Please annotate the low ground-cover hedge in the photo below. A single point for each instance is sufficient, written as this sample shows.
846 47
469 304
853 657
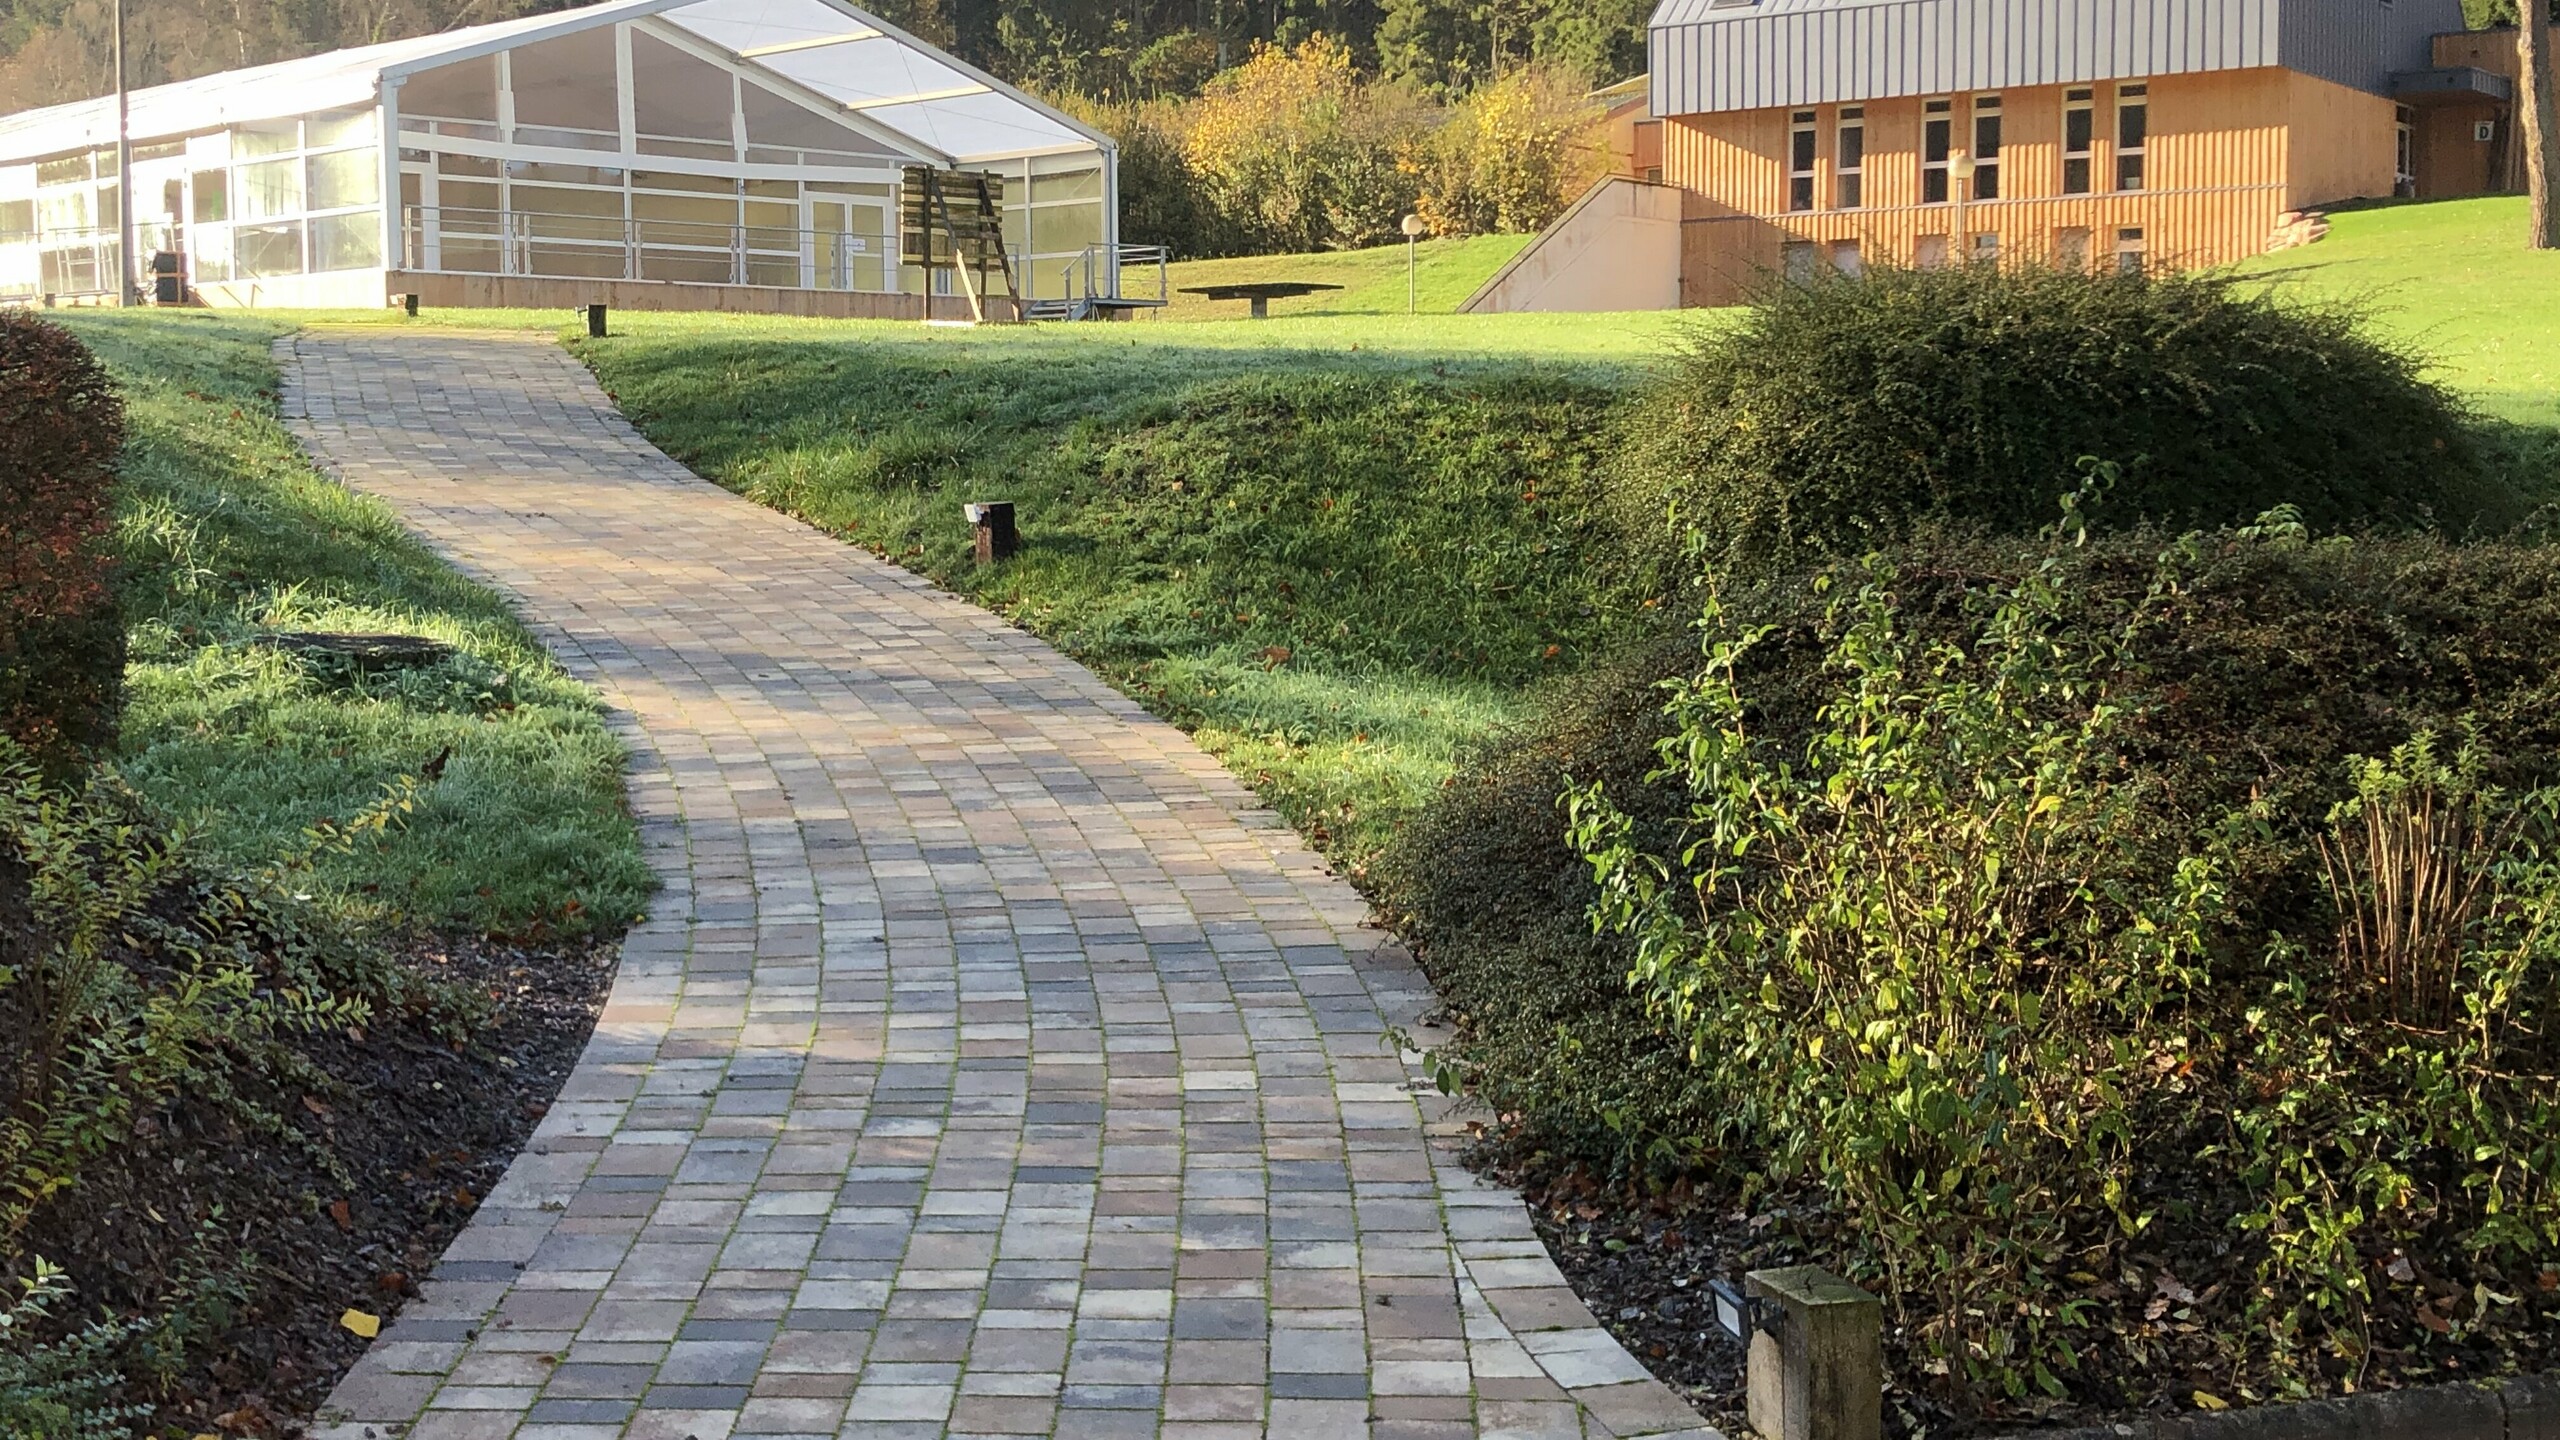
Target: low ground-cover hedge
1837 412
61 643
2336 1195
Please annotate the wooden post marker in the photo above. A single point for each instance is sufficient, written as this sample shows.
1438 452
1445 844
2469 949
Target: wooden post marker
993 522
1820 1376
595 322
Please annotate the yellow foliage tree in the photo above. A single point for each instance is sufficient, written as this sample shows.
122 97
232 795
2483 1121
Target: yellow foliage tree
1301 154
1513 155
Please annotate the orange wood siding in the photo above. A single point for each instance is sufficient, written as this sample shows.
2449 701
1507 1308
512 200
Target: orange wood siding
2345 143
2229 152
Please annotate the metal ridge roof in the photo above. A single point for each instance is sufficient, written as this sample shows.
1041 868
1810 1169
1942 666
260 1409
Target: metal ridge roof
888 78
1718 55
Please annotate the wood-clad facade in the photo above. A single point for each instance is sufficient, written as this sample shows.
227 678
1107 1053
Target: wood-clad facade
2224 156
2100 132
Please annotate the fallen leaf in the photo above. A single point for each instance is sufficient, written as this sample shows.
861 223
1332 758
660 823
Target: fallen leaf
361 1323
346 1221
2207 1400
315 1107
2434 1321
2400 1269
2170 1286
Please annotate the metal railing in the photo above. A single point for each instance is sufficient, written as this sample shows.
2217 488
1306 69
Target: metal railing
1102 273
459 240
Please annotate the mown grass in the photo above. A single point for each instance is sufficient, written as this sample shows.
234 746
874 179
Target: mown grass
1421 425
1337 570
1445 273
226 535
2454 279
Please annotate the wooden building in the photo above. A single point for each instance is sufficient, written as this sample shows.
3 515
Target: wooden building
1809 133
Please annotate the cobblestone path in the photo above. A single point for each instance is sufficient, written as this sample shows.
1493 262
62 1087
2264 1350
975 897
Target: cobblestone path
990 1064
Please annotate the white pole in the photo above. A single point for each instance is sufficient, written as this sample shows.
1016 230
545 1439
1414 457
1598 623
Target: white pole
124 176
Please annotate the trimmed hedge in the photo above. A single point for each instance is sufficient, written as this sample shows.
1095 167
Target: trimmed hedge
61 639
1840 411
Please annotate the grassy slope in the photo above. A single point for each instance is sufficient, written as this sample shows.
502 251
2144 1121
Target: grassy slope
227 533
1336 567
2454 278
1446 272
878 430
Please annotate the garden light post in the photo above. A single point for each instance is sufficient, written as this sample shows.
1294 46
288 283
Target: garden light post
124 176
1960 178
1412 228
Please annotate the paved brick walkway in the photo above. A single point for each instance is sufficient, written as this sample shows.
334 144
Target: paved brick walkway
991 1063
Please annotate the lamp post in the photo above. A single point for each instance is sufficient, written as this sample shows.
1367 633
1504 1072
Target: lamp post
1412 228
1960 180
124 176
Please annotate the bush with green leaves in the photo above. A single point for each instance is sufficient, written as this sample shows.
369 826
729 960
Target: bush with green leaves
1836 412
62 425
1966 909
135 977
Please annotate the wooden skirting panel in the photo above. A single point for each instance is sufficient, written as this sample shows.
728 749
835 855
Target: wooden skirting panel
526 292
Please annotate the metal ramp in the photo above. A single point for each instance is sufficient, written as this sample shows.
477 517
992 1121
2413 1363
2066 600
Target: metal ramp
1096 284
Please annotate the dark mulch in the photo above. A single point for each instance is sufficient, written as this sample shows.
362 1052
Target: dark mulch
421 1126
1642 1261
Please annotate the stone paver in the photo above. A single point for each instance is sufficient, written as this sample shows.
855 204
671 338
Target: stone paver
990 1065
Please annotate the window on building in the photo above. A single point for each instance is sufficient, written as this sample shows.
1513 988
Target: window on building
1986 147
2079 140
2404 173
1849 161
1846 259
1937 143
1800 261
1986 248
1930 253
2133 136
2071 247
2130 250
1800 152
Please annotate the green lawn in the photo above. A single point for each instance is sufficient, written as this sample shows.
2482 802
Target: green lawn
226 534
1343 483
2455 279
1336 566
1446 272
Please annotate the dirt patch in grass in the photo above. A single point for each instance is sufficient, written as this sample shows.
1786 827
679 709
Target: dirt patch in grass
390 1142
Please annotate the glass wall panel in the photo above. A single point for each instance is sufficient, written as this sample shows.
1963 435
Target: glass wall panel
268 188
464 90
576 261
259 251
211 251
1074 185
567 83
676 96
342 127
347 242
691 266
1065 228
347 177
788 129
266 137
212 190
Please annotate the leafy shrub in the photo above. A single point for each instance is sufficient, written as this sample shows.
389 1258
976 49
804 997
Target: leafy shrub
135 980
1299 154
61 644
1989 878
1838 411
1512 155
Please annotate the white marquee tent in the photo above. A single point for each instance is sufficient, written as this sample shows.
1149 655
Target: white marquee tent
637 151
